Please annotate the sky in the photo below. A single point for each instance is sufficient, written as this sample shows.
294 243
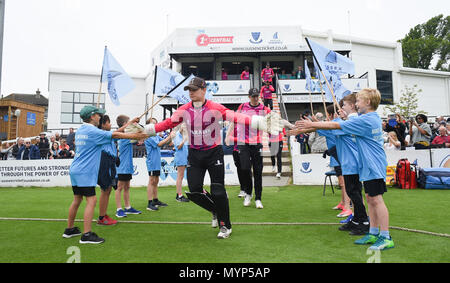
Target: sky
71 34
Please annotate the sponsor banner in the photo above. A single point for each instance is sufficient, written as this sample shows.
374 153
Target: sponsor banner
299 86
309 169
55 173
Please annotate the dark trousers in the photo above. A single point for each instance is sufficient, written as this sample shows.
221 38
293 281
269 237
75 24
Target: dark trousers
353 188
237 163
250 157
268 103
276 149
212 160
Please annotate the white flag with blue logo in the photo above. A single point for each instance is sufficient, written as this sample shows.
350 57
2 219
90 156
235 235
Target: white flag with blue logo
119 83
166 80
333 66
179 93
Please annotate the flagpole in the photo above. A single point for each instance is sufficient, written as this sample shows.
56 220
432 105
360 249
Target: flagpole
101 78
320 69
310 102
154 85
323 99
159 100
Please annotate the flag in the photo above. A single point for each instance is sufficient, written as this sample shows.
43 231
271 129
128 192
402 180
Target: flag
333 66
166 80
119 83
178 91
308 78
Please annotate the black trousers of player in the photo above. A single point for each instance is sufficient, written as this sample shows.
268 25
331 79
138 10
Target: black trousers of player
240 173
268 103
353 188
276 149
250 157
212 160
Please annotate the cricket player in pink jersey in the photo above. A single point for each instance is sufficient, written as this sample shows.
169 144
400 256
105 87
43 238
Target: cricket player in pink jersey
250 147
202 119
267 73
266 94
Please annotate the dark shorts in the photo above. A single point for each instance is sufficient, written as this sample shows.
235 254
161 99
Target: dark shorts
154 173
375 187
83 191
124 177
338 170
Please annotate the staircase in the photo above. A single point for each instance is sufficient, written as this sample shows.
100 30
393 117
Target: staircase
286 169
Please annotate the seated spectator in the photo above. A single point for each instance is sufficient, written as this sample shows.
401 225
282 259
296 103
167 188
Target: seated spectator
54 151
385 133
64 150
420 132
443 137
283 75
448 128
28 151
300 73
393 142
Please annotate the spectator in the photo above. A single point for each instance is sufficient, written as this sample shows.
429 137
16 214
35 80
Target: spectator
245 75
43 145
65 151
420 134
71 138
17 147
300 73
54 151
385 133
224 75
317 143
293 75
442 138
58 137
448 128
397 125
29 151
53 140
393 142
283 75
6 151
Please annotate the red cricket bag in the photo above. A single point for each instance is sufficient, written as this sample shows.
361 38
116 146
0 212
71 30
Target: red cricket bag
403 174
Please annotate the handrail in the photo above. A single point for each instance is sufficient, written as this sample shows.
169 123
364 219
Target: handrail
283 110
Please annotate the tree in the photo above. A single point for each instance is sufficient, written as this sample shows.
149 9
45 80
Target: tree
426 43
407 105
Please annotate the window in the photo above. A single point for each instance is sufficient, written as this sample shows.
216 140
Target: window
384 85
73 102
202 70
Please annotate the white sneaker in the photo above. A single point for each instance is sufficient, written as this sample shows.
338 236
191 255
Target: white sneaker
214 222
224 233
274 169
241 194
247 200
278 176
259 204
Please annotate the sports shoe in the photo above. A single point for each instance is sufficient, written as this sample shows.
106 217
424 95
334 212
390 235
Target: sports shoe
152 207
214 222
382 243
224 233
106 221
71 232
339 206
360 229
247 200
91 238
121 213
345 213
278 176
258 204
181 199
348 226
241 194
367 239
159 203
131 210
348 219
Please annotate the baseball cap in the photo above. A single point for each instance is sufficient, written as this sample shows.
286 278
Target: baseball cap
253 92
195 84
90 110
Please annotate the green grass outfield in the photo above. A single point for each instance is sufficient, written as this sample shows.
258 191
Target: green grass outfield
258 236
